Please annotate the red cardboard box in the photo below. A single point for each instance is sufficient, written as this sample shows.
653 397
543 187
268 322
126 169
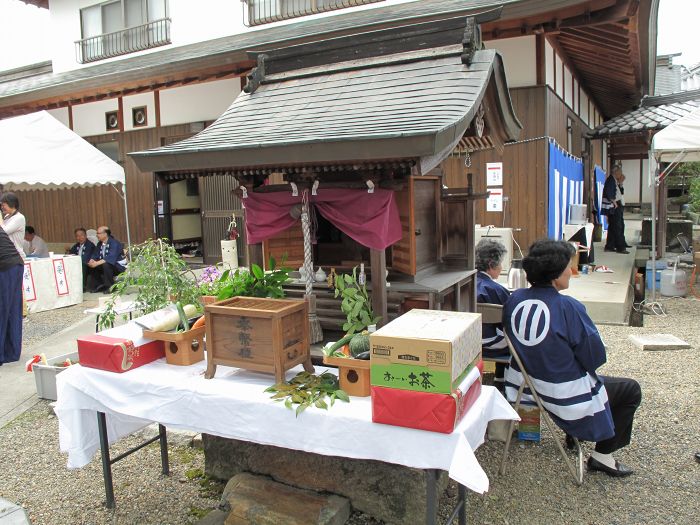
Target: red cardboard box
117 354
426 411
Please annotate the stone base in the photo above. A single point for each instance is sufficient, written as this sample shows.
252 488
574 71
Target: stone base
392 493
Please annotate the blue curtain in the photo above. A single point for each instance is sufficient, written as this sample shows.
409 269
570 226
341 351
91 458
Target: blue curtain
600 176
565 188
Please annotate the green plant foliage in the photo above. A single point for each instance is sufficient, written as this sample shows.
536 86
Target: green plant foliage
356 303
254 283
156 273
306 390
694 194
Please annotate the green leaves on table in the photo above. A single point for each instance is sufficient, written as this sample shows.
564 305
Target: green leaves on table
307 389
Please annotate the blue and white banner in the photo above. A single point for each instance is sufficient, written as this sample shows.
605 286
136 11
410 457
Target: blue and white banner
565 188
600 176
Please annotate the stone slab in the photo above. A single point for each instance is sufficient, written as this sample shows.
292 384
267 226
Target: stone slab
394 494
258 500
658 342
12 514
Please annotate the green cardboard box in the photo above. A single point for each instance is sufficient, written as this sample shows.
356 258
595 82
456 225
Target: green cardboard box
425 350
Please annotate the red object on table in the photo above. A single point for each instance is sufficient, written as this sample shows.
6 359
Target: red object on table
421 410
116 354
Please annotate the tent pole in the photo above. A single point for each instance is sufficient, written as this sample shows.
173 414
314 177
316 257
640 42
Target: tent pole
654 188
126 216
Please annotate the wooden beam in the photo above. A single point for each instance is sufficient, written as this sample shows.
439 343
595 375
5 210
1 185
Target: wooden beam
378 267
156 103
120 113
70 116
541 60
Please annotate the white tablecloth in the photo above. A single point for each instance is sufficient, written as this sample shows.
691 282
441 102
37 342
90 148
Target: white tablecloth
53 282
233 405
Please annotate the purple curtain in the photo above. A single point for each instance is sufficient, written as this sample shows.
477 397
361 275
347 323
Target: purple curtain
371 219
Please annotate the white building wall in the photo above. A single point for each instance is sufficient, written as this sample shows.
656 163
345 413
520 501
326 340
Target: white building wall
89 119
549 63
630 168
519 58
198 102
557 76
60 114
135 101
568 79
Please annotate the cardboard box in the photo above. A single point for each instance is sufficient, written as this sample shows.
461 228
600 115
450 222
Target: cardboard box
425 350
117 354
424 411
45 375
529 426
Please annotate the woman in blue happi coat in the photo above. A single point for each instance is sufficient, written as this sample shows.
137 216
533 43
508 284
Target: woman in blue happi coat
561 349
489 261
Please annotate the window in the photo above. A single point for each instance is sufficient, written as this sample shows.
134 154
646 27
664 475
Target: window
122 26
266 11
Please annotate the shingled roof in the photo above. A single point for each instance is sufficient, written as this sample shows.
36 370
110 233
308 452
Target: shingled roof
655 113
407 105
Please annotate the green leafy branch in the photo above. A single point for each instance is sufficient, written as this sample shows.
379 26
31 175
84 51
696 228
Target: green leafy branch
307 389
356 303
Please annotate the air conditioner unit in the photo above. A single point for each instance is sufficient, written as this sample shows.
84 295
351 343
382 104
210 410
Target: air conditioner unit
502 235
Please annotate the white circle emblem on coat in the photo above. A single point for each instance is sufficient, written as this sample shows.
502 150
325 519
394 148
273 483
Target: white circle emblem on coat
530 322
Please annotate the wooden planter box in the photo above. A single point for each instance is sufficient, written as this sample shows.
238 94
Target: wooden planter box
181 348
266 335
353 374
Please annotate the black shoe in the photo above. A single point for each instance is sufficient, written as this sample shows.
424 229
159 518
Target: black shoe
609 249
620 470
622 251
570 443
697 457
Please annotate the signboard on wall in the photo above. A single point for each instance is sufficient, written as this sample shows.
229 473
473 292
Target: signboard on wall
494 174
494 202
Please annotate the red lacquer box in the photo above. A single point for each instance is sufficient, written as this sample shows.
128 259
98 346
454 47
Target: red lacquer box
117 354
426 411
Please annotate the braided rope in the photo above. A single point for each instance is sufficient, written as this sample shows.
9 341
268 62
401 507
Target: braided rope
306 230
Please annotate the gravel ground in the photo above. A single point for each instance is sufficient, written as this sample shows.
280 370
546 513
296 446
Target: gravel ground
40 325
537 488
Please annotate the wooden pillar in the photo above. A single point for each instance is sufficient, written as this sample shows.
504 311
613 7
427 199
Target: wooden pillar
255 255
469 226
641 181
377 259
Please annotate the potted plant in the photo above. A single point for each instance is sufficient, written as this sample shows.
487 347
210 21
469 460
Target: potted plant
210 283
158 275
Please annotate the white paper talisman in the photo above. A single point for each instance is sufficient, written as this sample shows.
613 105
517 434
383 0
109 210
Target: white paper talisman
28 284
59 275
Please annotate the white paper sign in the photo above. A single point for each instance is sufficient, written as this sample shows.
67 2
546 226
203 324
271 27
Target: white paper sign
494 174
495 200
59 275
28 284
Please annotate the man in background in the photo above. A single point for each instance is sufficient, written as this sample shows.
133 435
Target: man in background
84 248
34 246
106 260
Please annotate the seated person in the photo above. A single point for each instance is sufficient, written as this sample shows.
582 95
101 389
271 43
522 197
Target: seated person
489 259
85 249
561 349
106 261
34 246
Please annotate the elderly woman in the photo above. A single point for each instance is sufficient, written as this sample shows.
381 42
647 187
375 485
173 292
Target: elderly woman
561 349
489 258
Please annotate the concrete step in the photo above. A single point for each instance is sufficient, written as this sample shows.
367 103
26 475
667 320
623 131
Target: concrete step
11 514
258 500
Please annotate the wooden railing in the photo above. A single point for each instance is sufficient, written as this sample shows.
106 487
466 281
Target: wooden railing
138 38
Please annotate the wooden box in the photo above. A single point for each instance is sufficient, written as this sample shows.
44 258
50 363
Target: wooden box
266 335
181 348
353 374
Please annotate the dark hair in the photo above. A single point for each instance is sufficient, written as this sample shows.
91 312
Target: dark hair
546 260
29 229
489 254
11 200
80 230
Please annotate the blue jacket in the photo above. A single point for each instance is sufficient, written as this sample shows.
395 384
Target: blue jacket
493 342
561 349
88 250
112 252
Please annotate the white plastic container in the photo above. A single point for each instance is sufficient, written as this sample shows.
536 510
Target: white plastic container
673 283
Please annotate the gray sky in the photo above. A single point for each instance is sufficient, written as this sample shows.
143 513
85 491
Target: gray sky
24 32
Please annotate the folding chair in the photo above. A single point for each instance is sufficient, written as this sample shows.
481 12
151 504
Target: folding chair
493 313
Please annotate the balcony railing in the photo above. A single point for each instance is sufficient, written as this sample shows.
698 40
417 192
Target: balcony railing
258 12
138 38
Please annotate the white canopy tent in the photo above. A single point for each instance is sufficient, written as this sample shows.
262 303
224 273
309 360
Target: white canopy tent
37 152
678 142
